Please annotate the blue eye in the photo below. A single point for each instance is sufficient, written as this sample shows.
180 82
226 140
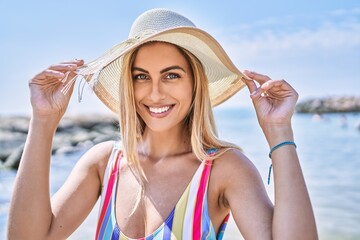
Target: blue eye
140 77
172 76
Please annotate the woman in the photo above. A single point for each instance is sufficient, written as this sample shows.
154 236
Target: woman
170 177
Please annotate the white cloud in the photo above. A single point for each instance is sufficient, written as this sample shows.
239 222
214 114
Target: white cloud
345 12
329 36
314 57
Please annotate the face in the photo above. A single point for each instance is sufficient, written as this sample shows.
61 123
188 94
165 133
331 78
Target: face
163 86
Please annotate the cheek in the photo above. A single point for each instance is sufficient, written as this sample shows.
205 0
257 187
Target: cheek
181 91
138 93
188 90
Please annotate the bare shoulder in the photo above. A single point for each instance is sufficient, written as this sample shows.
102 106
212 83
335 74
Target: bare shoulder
242 191
235 161
234 169
96 157
99 152
239 183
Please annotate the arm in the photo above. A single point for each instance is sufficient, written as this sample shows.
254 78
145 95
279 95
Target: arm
32 215
274 102
244 194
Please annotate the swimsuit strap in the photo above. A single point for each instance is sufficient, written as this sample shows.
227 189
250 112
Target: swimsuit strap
188 220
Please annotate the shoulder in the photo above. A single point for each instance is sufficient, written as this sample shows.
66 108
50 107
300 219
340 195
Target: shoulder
96 158
233 170
242 191
99 152
234 161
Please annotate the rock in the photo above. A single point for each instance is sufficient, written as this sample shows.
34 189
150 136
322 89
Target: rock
67 150
14 124
107 129
88 122
83 136
329 105
104 138
74 133
9 142
13 160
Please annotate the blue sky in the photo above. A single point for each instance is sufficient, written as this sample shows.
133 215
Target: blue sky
315 45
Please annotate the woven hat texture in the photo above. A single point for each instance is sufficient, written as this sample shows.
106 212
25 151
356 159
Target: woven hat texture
103 74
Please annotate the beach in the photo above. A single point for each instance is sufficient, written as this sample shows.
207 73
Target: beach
328 147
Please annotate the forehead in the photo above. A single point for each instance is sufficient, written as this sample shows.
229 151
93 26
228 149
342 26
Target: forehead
159 52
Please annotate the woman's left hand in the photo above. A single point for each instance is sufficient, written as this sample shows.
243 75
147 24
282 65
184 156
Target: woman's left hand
274 100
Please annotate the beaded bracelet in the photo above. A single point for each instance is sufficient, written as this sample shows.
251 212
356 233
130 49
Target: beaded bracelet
273 149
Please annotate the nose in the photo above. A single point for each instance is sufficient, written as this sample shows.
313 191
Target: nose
157 92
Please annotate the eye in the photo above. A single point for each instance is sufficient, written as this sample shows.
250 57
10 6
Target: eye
172 76
140 77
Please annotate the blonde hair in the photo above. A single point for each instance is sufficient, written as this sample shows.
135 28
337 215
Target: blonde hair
201 126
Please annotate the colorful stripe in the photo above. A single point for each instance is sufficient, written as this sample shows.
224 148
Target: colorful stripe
197 222
188 220
106 207
222 227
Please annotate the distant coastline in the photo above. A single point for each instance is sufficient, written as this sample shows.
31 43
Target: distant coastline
73 134
336 104
83 131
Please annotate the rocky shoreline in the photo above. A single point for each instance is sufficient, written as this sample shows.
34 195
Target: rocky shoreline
73 134
78 132
341 104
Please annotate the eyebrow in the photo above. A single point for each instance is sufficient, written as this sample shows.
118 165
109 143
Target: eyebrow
162 71
172 68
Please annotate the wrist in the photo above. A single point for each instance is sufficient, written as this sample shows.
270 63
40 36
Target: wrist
47 123
277 133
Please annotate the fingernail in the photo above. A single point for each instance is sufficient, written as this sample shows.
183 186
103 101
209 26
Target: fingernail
253 93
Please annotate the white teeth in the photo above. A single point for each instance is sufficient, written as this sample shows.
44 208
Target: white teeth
159 110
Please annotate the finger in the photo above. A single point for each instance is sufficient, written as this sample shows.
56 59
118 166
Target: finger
251 85
64 67
279 89
78 62
67 65
271 84
257 77
255 95
48 73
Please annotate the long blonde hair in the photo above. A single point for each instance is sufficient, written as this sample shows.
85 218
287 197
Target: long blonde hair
200 126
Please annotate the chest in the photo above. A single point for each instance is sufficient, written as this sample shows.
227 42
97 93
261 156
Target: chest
142 210
174 200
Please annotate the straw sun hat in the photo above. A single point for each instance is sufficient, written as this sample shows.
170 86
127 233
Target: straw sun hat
103 74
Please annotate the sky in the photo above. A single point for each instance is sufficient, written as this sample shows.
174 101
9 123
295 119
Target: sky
314 45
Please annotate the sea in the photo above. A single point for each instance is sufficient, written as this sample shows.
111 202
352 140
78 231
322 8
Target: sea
328 146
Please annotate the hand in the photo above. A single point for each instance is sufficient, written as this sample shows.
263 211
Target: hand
45 89
274 100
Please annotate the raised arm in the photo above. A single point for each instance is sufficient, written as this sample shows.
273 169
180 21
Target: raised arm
274 102
32 214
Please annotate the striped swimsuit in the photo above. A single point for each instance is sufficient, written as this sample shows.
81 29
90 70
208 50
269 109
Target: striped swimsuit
189 220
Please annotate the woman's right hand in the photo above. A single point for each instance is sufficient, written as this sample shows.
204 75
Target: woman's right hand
46 97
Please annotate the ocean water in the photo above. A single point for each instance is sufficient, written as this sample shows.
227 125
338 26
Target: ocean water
329 151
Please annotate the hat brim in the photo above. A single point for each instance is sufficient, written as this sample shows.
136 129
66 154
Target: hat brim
103 74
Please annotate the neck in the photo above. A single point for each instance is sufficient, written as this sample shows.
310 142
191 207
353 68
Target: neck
158 145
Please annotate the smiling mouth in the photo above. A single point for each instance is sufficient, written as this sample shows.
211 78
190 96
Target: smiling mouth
159 110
